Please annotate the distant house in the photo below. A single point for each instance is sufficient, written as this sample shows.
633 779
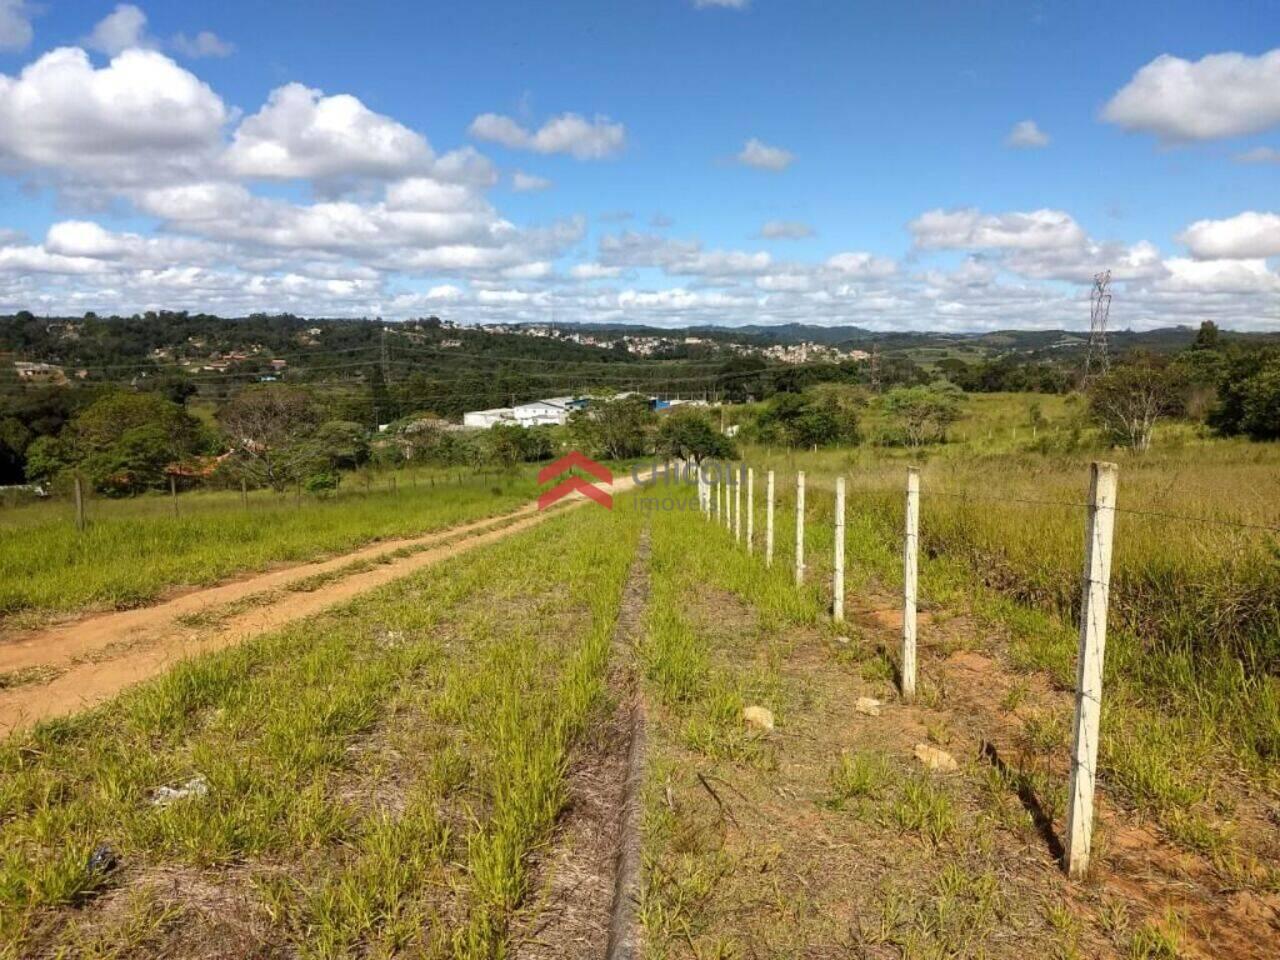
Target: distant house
38 372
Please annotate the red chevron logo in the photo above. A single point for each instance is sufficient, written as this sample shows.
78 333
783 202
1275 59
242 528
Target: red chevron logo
568 486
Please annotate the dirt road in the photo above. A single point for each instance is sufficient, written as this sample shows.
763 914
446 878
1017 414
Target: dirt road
76 665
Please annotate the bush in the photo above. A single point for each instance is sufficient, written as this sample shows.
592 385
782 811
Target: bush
322 484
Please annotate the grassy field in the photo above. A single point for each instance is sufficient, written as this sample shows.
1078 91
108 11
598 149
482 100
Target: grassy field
369 782
1191 724
824 835
133 550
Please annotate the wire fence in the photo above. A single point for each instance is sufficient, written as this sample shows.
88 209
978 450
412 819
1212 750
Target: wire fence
1098 514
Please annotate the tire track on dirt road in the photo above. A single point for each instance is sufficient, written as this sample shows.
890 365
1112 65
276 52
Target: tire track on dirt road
94 659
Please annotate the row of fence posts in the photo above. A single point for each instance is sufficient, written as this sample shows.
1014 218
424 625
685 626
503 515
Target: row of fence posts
726 506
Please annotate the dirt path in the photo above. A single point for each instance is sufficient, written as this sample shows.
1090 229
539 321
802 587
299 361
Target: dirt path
74 666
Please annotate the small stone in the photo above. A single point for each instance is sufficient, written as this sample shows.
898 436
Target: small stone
195 787
759 717
868 705
936 759
102 860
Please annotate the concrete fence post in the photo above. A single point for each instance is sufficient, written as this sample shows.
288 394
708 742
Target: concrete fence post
173 492
837 586
751 505
737 505
79 485
244 493
768 521
910 564
1095 588
728 500
799 528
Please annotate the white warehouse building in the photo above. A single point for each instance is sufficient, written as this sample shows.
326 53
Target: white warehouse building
484 419
538 413
552 411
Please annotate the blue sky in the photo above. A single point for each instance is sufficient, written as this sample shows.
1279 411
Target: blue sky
893 165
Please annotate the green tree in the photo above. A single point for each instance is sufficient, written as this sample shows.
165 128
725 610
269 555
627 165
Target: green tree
343 443
1208 337
923 414
612 429
1229 415
1261 407
688 433
124 442
47 457
1133 396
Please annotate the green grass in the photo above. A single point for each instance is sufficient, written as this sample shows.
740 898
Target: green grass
133 550
1194 620
377 777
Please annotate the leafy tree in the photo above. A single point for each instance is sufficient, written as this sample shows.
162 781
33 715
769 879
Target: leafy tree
137 461
124 442
47 457
1129 399
1208 337
1237 396
1261 406
612 429
343 443
688 433
272 430
923 414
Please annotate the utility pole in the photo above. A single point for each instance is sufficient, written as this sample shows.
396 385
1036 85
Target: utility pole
1096 360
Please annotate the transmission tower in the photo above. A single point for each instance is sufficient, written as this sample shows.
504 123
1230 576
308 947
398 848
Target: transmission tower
1096 361
875 368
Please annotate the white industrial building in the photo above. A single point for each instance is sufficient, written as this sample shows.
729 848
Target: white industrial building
552 411
484 419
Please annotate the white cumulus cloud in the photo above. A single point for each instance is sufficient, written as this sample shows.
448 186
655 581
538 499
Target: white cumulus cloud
1221 95
568 133
1246 236
302 133
861 264
1026 135
125 27
140 119
762 156
972 229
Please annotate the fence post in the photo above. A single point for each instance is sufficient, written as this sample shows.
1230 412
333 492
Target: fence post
737 505
1095 588
244 493
910 558
173 492
79 503
799 528
728 500
768 521
751 505
837 586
